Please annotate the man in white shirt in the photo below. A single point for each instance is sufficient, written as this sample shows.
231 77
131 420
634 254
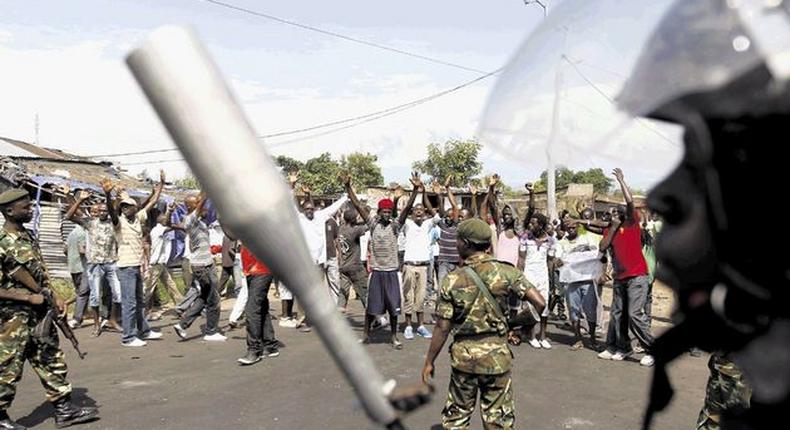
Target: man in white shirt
161 245
416 259
313 223
578 258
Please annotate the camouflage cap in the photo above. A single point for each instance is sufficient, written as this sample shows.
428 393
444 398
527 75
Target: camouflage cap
13 195
474 230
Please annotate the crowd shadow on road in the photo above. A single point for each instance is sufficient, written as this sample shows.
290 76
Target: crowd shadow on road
45 411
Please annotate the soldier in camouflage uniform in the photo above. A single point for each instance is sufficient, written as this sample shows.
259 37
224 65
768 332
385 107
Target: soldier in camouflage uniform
470 304
727 393
23 276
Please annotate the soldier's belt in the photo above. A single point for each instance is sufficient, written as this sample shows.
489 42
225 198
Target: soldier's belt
483 336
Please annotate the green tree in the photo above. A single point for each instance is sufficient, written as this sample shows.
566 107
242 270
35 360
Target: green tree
458 158
363 168
288 164
565 176
322 175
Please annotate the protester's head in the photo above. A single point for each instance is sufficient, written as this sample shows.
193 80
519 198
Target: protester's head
308 209
571 233
161 219
474 237
587 214
350 216
16 206
619 213
99 211
191 202
385 208
538 224
508 221
417 213
128 207
464 215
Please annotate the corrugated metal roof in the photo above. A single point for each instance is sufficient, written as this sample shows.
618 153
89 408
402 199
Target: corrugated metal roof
18 148
52 240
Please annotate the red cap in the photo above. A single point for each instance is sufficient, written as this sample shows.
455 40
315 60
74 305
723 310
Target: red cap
386 204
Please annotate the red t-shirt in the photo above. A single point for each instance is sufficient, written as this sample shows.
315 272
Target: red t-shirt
250 265
627 250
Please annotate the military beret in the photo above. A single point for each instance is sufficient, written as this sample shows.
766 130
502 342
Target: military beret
13 195
474 230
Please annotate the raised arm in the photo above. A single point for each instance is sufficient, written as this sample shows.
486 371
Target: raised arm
491 183
453 203
107 186
629 199
331 210
71 214
361 210
437 189
530 202
607 240
157 192
417 186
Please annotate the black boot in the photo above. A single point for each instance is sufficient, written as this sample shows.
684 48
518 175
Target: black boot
6 423
67 414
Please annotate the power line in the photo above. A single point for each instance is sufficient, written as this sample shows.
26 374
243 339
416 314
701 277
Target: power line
342 36
357 120
142 163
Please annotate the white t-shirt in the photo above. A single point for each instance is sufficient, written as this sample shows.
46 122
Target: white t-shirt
536 266
160 246
580 257
314 230
418 239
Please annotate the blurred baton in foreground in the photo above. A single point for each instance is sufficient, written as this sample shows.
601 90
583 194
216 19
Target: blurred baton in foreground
202 116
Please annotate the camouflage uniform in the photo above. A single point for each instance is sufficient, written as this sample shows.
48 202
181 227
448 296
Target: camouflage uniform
727 392
17 321
480 355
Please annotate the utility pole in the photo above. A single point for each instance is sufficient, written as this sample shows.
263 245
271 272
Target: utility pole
36 125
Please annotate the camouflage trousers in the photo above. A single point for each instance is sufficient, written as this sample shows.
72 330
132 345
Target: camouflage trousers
17 344
727 392
496 401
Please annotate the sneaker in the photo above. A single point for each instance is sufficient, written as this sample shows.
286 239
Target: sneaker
271 352
216 337
422 331
647 361
620 356
408 334
534 343
73 324
135 342
181 332
638 349
153 335
544 343
288 323
396 343
605 355
250 358
305 329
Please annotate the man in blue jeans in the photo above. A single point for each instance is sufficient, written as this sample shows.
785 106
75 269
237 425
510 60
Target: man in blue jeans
102 255
631 282
129 233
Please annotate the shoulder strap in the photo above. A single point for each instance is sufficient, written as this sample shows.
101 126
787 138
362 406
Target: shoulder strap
485 292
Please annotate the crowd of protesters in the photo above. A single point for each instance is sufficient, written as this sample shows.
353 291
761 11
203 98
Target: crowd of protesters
392 259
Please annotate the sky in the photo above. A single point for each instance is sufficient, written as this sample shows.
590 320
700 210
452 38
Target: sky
63 61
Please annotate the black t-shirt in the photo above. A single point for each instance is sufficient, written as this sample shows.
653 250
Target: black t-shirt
348 242
331 235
